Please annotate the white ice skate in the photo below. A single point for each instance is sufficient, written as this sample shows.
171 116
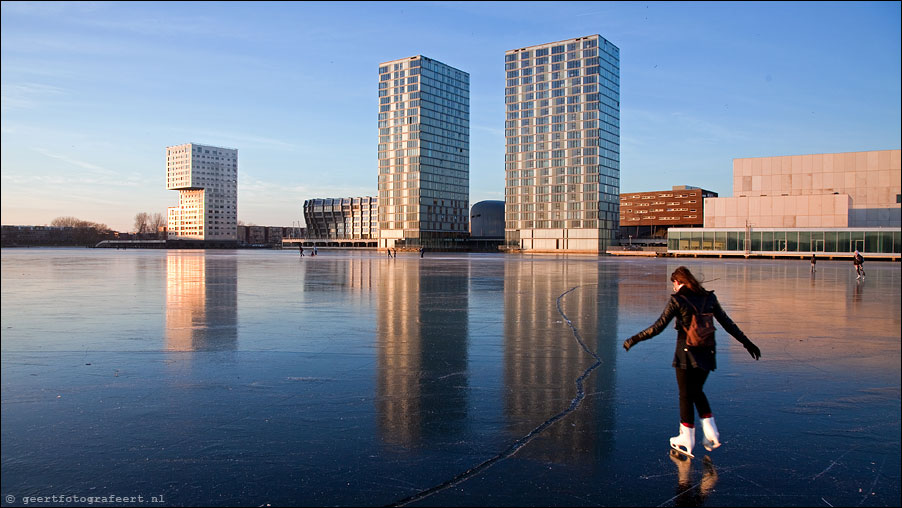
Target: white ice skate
685 441
712 437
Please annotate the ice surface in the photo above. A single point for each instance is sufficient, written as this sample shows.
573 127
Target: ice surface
256 377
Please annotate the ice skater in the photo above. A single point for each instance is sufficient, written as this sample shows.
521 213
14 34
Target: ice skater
858 261
813 262
692 363
301 249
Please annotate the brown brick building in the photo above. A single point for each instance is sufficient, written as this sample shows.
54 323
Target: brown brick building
647 215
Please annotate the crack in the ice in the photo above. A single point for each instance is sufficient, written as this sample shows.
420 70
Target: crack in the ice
832 463
682 493
520 443
874 483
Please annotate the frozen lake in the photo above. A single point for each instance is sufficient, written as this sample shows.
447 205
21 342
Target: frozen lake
250 378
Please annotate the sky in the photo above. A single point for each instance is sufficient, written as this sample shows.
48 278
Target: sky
94 92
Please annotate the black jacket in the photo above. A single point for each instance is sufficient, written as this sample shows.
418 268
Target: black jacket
685 356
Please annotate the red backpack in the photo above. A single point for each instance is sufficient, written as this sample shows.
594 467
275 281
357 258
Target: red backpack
700 331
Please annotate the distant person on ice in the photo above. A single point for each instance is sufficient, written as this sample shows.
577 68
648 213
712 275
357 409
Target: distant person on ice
693 363
858 261
813 262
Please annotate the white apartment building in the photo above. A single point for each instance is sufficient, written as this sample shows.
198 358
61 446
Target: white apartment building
207 180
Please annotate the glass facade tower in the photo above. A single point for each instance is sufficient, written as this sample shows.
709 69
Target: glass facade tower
562 157
424 152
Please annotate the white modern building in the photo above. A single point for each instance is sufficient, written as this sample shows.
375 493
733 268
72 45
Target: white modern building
834 190
424 153
792 205
562 160
207 180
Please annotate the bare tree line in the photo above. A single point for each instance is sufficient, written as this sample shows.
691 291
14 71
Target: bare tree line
149 223
145 223
74 222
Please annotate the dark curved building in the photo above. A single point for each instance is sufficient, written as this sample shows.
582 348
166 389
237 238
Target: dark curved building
487 219
341 218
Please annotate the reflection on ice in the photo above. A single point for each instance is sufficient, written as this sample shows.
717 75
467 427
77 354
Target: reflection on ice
201 302
252 377
421 389
543 359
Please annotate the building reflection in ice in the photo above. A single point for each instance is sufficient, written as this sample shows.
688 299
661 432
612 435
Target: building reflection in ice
201 301
421 392
542 358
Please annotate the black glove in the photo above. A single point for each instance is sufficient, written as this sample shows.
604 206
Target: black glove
753 350
627 344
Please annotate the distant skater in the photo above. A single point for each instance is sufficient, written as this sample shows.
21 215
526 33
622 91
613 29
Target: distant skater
422 251
858 261
301 249
693 307
813 262
389 253
315 251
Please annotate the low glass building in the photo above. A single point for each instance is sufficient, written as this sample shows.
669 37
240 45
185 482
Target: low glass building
875 242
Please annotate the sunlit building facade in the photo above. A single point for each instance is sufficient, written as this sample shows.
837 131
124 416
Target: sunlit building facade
207 180
562 160
830 203
646 216
424 152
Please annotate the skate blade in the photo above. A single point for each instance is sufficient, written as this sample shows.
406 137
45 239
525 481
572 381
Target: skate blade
681 451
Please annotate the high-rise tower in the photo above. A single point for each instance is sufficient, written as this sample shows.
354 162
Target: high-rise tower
562 158
424 152
207 180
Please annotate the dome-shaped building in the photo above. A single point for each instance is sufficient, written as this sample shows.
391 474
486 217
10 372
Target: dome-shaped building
487 220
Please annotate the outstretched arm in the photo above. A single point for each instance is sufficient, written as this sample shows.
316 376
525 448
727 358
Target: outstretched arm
658 326
730 327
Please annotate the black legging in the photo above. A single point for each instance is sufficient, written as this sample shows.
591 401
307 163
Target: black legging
690 382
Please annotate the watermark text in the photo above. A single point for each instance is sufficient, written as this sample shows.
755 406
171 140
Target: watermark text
83 500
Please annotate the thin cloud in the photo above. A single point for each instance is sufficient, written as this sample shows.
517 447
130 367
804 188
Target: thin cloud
27 95
50 9
265 189
75 162
240 141
493 130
